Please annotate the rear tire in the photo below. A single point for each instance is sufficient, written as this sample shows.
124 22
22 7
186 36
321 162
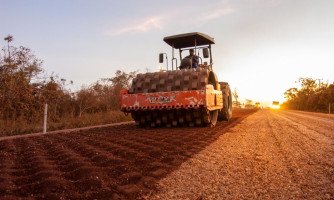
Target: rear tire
225 113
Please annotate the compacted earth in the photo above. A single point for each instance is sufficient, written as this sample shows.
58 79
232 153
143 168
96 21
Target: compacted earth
264 154
269 155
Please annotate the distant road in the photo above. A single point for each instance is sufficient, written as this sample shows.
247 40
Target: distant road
270 155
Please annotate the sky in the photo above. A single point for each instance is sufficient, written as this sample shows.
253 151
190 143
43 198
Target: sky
262 47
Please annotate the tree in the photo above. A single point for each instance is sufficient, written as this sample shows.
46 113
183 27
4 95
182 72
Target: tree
18 67
249 103
86 100
236 97
311 96
121 79
291 93
105 95
24 90
309 85
9 39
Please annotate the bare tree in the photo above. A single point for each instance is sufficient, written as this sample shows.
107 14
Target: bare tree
236 97
9 39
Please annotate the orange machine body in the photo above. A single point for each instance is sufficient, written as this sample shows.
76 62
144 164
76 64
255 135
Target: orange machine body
209 98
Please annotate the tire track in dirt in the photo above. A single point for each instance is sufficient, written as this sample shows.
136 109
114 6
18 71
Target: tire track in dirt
313 140
320 127
306 158
309 134
122 162
320 117
288 163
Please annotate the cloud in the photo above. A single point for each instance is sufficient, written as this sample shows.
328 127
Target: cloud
218 13
166 19
137 27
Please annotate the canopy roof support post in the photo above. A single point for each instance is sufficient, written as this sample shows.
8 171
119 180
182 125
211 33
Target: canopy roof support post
195 46
173 59
210 54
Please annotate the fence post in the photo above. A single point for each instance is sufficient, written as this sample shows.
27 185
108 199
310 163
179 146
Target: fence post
45 117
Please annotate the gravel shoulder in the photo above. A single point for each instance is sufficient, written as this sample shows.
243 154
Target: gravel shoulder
269 155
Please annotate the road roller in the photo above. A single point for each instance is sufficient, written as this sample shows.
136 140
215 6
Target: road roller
188 93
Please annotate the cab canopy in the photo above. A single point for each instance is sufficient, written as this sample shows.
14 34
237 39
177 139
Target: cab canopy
189 40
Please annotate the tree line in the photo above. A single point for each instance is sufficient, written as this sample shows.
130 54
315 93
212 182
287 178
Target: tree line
313 95
25 88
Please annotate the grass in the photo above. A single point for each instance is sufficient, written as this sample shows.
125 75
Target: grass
20 127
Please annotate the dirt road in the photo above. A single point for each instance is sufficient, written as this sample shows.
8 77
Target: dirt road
266 155
270 155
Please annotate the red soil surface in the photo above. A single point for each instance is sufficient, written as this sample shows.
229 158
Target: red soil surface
122 162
